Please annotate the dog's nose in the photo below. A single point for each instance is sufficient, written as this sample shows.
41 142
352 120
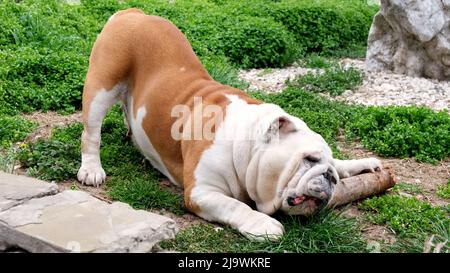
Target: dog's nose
330 176
290 201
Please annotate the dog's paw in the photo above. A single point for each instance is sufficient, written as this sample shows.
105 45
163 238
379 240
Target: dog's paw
370 164
91 175
260 227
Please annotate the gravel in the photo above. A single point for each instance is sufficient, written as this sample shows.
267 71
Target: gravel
272 79
378 88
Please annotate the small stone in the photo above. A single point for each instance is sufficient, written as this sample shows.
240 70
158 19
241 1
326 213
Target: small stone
446 60
387 87
347 93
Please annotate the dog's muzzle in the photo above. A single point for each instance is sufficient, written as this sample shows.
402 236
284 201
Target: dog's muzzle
313 190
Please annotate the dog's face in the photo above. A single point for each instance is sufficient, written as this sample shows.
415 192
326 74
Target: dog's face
295 172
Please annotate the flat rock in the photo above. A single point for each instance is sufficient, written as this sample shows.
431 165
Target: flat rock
16 189
74 221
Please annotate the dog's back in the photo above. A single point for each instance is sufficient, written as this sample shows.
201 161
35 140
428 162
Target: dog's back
148 63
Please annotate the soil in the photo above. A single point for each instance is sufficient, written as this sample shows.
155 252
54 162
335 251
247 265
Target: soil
427 176
47 121
98 192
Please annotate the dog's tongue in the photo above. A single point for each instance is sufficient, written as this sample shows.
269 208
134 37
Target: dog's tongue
298 200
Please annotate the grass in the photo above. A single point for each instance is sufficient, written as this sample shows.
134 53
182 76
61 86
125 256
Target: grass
443 191
14 129
51 160
142 190
397 131
407 216
223 71
325 232
408 188
264 72
333 80
317 61
419 226
425 242
7 159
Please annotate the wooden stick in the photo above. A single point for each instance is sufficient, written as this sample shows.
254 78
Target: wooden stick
362 186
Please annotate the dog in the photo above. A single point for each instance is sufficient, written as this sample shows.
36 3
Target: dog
227 150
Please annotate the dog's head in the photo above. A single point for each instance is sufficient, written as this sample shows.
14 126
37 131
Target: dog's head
292 169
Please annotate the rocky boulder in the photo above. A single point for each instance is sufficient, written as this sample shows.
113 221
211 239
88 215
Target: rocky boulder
411 37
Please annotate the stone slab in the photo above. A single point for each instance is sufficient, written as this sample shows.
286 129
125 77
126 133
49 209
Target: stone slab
74 221
16 189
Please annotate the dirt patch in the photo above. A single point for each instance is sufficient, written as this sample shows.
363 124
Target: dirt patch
427 176
370 232
98 192
187 220
47 121
380 234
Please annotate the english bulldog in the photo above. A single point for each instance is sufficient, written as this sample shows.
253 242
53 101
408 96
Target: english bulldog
238 159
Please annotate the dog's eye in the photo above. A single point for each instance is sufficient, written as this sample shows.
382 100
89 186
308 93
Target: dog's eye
312 158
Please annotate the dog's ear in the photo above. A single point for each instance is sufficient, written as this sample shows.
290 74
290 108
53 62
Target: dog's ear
279 127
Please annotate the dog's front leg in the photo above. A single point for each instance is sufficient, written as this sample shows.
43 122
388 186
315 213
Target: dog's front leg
347 168
218 207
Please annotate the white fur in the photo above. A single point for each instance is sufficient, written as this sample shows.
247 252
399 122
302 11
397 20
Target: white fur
142 141
231 171
222 184
91 171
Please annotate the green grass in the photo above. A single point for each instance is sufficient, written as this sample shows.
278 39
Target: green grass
403 132
324 232
143 191
408 188
45 44
44 50
317 61
443 191
14 129
264 72
418 244
7 159
223 71
413 221
51 160
407 216
334 79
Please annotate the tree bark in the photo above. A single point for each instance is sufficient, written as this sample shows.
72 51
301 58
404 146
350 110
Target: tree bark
362 186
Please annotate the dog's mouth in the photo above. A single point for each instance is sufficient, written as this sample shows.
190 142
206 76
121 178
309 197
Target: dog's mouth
304 199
